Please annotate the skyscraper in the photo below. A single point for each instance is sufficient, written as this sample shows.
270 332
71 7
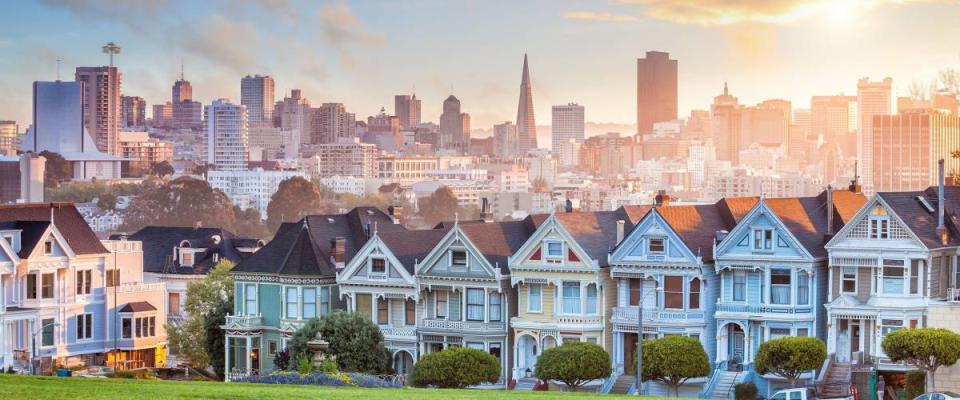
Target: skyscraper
185 112
227 135
101 106
526 125
256 93
331 122
505 140
725 125
656 90
454 126
407 110
834 120
294 114
907 146
566 123
9 138
134 112
873 99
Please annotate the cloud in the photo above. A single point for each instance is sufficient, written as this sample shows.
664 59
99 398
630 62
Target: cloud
137 15
226 43
726 12
341 29
599 17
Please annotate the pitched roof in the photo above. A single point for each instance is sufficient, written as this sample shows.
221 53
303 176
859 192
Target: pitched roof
806 217
922 222
412 246
159 243
697 226
65 216
138 306
497 241
595 232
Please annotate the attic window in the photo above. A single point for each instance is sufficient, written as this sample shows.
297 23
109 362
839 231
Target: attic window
656 245
48 247
458 258
378 266
185 244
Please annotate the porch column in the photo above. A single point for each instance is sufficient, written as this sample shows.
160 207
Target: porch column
747 345
226 356
863 330
617 351
248 355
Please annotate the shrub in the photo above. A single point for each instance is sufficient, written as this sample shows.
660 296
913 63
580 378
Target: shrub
745 391
304 365
916 384
924 348
673 360
282 360
354 340
574 364
456 368
320 379
788 357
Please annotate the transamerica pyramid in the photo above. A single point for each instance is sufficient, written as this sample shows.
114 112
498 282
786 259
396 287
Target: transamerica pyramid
526 126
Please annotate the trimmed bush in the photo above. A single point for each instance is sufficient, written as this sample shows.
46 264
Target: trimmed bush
456 368
924 348
574 364
788 357
916 384
745 391
673 360
354 340
320 379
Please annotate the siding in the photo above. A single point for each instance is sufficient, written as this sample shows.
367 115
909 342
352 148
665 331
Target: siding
396 312
753 287
547 315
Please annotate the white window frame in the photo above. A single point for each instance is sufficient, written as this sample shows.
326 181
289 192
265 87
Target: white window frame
303 302
498 307
467 304
436 305
324 307
733 284
663 245
760 240
790 275
879 227
586 299
246 299
84 279
546 246
466 259
539 303
286 302
844 279
48 246
84 322
563 298
371 272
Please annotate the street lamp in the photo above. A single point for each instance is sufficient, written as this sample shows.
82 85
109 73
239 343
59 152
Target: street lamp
33 346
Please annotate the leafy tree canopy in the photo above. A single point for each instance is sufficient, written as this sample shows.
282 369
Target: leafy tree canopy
924 348
456 368
788 357
574 364
354 340
294 199
674 359
184 201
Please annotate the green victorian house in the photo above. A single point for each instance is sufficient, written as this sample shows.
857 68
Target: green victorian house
290 281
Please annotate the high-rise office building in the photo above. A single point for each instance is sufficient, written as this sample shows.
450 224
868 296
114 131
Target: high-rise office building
227 135
526 124
185 113
162 115
725 126
182 90
656 90
907 146
133 111
102 107
407 110
293 113
567 122
9 138
256 93
766 123
330 123
873 99
454 126
833 121
506 142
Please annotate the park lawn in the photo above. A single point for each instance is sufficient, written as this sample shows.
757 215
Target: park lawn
40 388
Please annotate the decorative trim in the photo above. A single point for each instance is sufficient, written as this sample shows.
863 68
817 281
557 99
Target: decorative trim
248 278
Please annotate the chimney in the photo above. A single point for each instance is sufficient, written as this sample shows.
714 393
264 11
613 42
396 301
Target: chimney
337 250
485 214
829 212
568 206
662 199
855 183
941 228
396 213
620 224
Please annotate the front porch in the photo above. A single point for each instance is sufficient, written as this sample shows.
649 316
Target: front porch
242 343
495 345
16 327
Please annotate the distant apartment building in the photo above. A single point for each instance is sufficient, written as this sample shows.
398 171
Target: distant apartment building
407 110
257 94
21 178
250 188
162 115
9 137
567 122
330 123
293 117
140 148
656 90
610 154
725 126
405 170
384 131
570 153
506 142
133 112
353 185
346 158
873 98
454 126
467 192
907 146
227 135
101 106
741 182
266 142
766 123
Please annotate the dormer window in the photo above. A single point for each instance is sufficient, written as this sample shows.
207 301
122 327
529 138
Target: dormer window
656 245
763 239
555 249
48 247
458 258
378 266
186 258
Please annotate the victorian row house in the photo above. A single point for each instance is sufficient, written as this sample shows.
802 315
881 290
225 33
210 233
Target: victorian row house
69 299
732 274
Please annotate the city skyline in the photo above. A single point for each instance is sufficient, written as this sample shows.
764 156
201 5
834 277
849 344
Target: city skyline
363 59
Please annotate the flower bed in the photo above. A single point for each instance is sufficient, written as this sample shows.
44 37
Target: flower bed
320 379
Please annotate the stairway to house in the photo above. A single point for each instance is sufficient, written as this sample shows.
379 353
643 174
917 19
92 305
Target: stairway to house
623 384
525 384
837 381
725 384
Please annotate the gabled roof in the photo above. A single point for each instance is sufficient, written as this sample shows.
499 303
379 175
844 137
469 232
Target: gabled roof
34 218
595 232
923 223
139 306
159 243
411 247
696 225
497 241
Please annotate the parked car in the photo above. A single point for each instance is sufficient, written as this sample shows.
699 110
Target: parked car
938 396
807 394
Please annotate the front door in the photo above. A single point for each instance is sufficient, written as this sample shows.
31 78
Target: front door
843 341
629 351
738 337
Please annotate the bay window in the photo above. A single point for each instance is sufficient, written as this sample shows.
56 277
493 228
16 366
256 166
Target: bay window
250 299
441 304
892 277
592 299
383 311
780 286
309 303
739 285
635 291
291 303
673 292
534 297
694 302
410 312
324 301
571 298
848 282
803 288
776 333
46 286
475 304
495 306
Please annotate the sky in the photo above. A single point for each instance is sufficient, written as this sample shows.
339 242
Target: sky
362 53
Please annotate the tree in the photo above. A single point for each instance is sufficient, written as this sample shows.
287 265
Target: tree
788 357
354 340
924 348
249 223
184 201
441 206
574 364
294 199
161 169
56 170
456 368
201 170
107 201
199 338
673 360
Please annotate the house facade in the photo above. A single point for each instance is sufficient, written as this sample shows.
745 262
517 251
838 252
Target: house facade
69 299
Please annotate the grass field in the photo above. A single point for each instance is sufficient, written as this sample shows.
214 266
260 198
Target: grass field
39 388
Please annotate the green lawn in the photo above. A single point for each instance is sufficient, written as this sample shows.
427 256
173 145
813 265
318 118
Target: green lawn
28 387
